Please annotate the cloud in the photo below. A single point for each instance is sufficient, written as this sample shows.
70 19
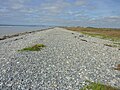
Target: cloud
80 2
108 19
61 6
14 4
63 12
17 6
50 7
3 10
54 7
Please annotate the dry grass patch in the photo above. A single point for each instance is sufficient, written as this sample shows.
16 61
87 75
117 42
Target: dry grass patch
105 33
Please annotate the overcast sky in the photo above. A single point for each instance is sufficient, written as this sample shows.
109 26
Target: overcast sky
100 13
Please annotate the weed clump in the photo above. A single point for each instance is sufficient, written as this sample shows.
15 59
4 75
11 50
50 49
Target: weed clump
36 47
98 86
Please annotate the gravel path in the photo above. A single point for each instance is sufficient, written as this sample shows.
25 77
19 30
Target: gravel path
68 60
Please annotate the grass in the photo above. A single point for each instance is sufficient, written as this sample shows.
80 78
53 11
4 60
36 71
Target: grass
36 47
118 43
98 86
104 33
102 36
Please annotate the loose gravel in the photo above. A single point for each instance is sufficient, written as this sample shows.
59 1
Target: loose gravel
67 61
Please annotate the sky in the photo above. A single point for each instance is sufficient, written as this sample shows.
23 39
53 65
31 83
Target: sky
93 13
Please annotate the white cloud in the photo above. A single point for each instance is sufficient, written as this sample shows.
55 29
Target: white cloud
61 6
29 10
109 19
54 7
79 14
80 2
17 6
51 7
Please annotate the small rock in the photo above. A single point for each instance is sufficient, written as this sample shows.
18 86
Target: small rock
10 84
81 35
75 36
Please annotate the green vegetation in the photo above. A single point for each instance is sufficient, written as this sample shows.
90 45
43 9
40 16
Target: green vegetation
97 86
36 47
118 43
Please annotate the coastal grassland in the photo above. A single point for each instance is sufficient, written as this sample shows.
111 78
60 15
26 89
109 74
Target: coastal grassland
98 86
36 47
104 33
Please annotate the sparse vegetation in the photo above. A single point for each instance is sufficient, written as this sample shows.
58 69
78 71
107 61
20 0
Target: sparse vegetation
36 47
98 86
118 43
104 33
